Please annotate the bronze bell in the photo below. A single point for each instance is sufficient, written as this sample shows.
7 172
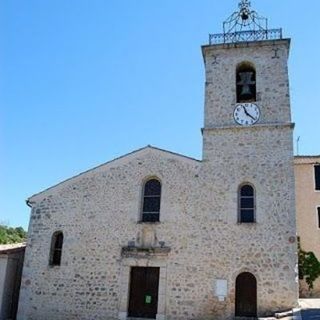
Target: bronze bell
244 15
246 82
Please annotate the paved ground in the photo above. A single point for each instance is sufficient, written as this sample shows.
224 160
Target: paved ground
310 314
310 309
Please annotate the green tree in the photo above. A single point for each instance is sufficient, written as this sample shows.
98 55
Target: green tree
309 266
12 235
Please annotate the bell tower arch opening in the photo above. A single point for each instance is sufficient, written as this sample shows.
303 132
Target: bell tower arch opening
246 82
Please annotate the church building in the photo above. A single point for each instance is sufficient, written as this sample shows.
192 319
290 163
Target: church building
158 235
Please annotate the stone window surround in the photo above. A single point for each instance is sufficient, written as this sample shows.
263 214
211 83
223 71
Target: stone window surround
127 264
250 66
239 205
142 185
144 196
53 249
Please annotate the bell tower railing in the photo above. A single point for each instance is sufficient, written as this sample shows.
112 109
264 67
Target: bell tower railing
243 36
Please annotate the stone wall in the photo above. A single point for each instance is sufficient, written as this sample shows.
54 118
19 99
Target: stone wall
99 212
266 248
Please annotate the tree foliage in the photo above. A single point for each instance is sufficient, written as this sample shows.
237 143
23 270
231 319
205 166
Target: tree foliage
309 266
12 235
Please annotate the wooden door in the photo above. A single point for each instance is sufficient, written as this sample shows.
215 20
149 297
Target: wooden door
246 295
144 285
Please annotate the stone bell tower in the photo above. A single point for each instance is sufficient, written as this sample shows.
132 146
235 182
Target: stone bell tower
248 141
246 69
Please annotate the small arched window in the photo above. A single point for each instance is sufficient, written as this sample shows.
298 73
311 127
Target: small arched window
151 201
246 83
246 204
56 249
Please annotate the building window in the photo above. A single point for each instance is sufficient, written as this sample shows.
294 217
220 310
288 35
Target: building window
318 217
56 249
151 201
246 83
246 204
317 176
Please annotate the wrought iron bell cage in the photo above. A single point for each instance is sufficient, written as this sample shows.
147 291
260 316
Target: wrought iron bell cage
245 25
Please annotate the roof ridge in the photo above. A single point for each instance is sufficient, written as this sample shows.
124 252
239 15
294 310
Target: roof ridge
174 153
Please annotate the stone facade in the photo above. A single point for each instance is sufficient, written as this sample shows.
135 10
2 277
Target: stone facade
307 204
198 240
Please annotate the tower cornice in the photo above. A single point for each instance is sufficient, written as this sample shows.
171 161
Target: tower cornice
248 44
290 125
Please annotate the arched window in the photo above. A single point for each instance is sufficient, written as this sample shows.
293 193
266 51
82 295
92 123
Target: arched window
151 201
246 204
246 83
56 249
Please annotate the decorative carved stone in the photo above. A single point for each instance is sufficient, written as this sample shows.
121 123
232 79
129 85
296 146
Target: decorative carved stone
130 252
276 55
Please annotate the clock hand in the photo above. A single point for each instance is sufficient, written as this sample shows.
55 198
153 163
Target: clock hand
247 113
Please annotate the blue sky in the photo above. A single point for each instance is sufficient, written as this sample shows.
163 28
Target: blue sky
82 82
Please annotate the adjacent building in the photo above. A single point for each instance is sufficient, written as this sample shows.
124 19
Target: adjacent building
307 175
11 263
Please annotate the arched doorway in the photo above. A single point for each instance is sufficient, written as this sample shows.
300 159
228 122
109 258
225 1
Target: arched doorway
246 295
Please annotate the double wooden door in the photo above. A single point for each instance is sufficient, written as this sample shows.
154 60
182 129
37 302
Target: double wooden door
144 286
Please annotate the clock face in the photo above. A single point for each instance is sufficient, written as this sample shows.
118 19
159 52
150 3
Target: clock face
246 114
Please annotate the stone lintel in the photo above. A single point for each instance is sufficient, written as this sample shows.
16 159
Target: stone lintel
138 252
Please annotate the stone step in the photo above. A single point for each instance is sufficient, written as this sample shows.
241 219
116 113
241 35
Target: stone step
264 318
282 316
